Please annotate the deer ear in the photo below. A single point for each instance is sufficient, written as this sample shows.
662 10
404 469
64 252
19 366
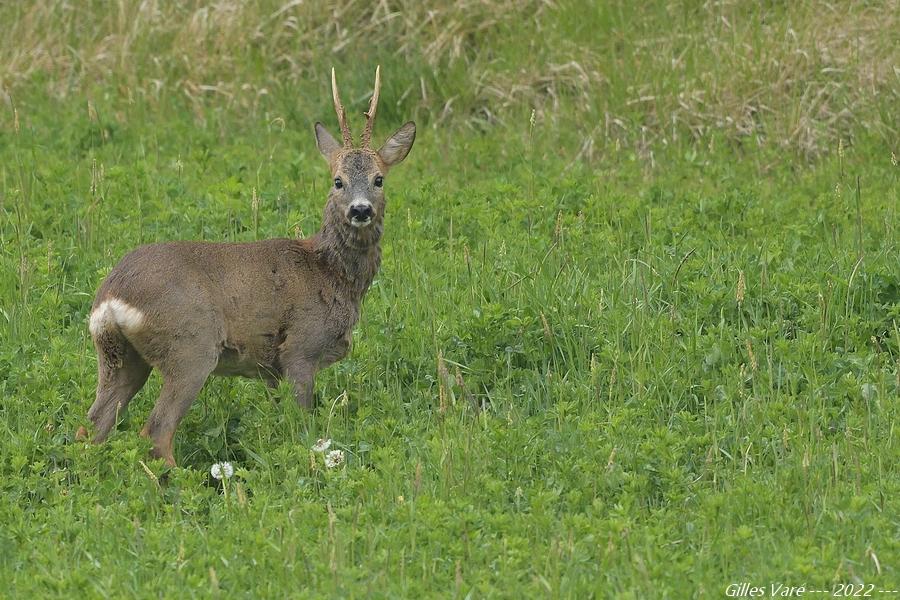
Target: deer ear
326 143
398 145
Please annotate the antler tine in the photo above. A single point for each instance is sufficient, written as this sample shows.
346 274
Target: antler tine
341 114
373 106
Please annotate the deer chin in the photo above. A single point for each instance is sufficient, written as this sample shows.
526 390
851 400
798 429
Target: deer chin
360 223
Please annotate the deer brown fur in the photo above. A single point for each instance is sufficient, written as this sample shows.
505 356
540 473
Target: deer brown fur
274 309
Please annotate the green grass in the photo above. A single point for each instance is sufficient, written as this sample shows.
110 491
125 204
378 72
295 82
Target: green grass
554 389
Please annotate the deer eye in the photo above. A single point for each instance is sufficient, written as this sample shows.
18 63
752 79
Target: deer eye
338 184
379 181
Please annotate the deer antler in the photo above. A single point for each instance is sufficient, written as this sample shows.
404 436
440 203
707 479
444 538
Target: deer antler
373 105
341 114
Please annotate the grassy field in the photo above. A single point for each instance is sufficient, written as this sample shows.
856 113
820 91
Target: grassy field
636 332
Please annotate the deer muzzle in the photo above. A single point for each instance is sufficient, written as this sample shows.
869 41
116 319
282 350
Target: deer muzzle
360 213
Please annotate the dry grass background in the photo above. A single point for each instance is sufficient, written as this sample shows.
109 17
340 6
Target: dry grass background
795 75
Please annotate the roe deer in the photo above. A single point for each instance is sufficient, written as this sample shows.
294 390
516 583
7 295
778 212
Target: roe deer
273 309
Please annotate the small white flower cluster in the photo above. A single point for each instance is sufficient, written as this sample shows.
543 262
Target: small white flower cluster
221 470
333 459
322 445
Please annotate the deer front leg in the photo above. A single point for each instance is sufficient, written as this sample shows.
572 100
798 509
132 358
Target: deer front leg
301 362
302 374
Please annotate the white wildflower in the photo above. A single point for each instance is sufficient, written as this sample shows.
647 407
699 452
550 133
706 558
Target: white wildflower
335 458
322 445
221 470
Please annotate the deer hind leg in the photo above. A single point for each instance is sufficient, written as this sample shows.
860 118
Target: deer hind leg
181 383
121 373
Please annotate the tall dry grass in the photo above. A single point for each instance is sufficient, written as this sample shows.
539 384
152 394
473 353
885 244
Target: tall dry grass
797 76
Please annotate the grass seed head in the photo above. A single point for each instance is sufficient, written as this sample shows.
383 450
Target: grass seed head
213 580
753 363
24 270
443 373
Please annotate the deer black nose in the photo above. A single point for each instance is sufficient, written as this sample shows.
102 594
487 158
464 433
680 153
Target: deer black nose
361 211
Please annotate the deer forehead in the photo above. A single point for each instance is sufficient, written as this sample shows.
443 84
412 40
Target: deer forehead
358 166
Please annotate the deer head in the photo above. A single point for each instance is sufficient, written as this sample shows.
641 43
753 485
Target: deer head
356 200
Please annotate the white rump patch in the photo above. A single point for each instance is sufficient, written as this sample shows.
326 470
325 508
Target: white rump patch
114 312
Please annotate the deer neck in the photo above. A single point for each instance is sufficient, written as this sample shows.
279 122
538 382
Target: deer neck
352 254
